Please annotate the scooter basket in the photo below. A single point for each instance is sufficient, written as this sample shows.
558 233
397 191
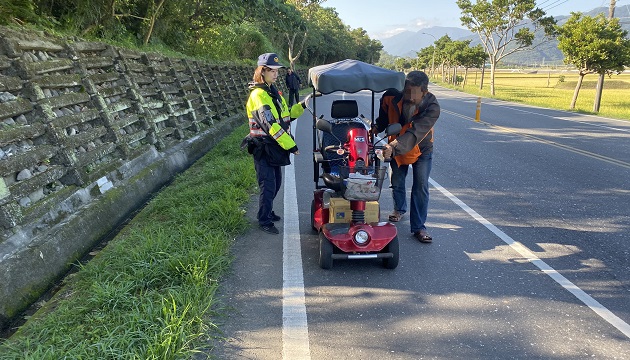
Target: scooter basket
362 184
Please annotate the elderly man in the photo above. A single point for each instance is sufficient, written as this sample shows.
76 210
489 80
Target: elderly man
417 110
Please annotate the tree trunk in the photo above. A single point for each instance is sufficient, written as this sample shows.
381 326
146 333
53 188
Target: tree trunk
577 91
465 77
548 78
152 19
483 73
291 44
110 13
598 92
493 65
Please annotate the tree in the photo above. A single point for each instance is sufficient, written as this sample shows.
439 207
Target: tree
153 12
188 25
386 60
375 51
454 53
365 49
425 58
441 56
500 27
593 45
402 63
215 29
17 11
306 9
330 40
472 57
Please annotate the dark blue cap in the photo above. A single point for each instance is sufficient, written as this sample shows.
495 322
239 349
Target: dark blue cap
269 60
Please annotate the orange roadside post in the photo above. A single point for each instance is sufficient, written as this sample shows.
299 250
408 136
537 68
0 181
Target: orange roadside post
478 112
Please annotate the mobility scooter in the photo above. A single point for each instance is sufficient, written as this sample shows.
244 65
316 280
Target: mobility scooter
346 157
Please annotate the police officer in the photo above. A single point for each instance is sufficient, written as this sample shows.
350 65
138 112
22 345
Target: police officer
269 140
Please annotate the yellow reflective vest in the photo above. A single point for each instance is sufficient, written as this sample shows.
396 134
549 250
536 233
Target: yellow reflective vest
265 120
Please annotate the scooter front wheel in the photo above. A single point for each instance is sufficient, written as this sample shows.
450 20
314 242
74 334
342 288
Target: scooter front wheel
326 249
394 248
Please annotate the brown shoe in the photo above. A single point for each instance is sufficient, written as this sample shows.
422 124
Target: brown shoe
423 236
396 216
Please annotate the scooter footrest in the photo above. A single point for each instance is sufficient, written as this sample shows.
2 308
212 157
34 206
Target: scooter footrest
362 256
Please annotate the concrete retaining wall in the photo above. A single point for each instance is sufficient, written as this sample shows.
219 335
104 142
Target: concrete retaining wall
87 132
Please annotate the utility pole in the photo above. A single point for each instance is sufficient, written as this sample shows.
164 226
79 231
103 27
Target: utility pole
600 82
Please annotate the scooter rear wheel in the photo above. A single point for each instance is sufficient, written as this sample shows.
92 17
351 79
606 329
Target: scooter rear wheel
326 249
394 248
313 215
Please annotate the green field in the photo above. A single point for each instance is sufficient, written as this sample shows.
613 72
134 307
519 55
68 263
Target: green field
545 89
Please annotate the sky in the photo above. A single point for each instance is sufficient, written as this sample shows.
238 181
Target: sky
385 18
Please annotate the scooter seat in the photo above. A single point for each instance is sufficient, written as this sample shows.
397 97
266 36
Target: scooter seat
332 182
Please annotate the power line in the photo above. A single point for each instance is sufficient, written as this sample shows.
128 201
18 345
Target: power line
547 5
554 4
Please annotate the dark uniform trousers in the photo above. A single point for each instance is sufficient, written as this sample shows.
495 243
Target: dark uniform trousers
269 182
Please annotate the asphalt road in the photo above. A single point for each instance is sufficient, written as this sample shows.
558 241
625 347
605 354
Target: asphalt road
530 215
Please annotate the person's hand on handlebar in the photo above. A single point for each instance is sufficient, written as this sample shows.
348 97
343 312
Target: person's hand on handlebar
387 152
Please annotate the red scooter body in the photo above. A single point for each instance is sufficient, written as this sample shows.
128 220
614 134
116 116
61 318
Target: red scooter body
344 157
357 147
339 240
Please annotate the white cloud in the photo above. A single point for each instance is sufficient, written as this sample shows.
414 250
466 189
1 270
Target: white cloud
385 31
413 26
422 23
390 33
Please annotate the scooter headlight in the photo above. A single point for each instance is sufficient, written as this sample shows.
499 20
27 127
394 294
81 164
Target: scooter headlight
361 237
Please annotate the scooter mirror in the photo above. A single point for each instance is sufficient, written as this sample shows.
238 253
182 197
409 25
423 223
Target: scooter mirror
324 125
393 129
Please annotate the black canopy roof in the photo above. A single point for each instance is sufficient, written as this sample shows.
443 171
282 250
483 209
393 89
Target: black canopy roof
352 76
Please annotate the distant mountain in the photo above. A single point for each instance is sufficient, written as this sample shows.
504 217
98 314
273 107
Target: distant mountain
548 52
408 43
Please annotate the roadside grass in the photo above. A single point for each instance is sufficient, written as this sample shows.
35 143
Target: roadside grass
552 91
149 294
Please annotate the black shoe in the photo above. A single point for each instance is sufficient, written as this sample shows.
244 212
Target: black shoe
270 229
274 217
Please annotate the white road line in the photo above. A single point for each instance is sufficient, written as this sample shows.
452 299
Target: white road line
510 105
295 343
598 308
545 141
